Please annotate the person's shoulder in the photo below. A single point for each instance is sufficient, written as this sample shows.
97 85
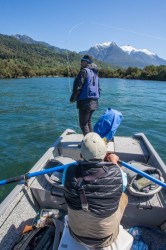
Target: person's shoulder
71 170
83 70
113 169
93 67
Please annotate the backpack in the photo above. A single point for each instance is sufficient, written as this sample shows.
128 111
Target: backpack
42 238
108 123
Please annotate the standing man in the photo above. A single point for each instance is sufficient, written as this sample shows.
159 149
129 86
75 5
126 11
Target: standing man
86 92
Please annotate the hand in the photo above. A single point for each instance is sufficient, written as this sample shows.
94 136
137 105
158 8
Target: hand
112 157
71 101
73 98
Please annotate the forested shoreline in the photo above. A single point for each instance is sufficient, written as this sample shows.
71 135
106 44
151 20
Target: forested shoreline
12 69
18 59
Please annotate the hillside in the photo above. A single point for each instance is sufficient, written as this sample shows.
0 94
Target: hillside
21 59
21 56
29 58
29 40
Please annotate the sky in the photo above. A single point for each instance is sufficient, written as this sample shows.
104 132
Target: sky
78 25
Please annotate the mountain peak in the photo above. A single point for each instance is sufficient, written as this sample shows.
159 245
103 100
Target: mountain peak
105 44
125 56
24 38
29 40
129 49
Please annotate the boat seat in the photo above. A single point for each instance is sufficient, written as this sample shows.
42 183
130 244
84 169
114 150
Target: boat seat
124 241
70 146
129 149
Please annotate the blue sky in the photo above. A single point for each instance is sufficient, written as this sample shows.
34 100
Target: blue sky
77 25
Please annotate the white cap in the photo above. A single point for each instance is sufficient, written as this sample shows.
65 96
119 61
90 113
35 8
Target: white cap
93 147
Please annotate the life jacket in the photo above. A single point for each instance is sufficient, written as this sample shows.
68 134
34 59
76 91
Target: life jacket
90 89
102 188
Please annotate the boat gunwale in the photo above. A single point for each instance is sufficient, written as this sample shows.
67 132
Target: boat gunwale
38 166
152 151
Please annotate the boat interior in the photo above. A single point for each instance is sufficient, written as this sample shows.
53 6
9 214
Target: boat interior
46 191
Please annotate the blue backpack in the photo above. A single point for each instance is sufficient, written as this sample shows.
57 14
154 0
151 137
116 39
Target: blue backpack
108 123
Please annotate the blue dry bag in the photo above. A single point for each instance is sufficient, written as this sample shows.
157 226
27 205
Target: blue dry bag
108 123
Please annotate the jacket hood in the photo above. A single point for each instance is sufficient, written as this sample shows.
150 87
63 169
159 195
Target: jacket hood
93 67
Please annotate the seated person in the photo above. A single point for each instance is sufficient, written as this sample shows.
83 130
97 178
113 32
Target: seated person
94 194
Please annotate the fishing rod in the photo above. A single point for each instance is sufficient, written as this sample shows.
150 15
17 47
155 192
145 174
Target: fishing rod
59 168
27 176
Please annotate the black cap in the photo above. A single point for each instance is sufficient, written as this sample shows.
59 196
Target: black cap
87 58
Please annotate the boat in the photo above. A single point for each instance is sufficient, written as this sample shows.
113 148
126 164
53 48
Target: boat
45 191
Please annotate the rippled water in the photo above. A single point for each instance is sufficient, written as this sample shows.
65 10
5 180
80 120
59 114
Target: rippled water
33 112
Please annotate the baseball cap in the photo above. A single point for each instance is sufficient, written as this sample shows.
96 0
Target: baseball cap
93 147
87 58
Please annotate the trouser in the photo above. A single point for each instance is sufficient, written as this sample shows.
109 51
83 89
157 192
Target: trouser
85 120
82 226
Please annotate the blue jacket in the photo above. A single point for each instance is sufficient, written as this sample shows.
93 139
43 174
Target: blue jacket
86 84
90 89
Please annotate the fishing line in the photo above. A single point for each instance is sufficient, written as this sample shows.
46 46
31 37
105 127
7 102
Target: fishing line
69 69
70 89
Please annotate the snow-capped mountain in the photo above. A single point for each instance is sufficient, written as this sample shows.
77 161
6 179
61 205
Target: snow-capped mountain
110 52
129 49
125 56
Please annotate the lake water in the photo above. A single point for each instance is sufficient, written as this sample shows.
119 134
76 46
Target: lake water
34 112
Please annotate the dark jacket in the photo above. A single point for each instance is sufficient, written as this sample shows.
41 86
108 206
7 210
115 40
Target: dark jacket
79 86
103 193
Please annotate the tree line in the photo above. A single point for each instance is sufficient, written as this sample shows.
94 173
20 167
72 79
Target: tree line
18 59
157 73
10 68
